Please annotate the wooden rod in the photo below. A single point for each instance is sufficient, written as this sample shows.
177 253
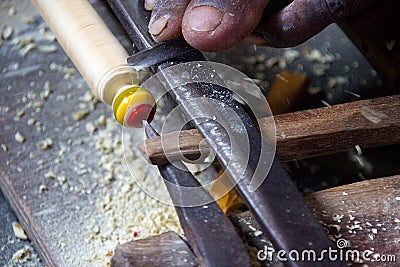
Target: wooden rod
91 46
303 134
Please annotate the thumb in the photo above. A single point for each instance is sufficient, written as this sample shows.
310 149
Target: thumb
221 24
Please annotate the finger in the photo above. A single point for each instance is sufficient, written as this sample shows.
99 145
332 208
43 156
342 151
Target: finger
166 19
149 4
219 25
302 19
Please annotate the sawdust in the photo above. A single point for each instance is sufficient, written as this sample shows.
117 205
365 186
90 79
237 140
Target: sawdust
21 255
127 213
19 137
19 231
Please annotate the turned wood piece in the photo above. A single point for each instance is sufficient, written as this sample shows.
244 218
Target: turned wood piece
86 39
303 134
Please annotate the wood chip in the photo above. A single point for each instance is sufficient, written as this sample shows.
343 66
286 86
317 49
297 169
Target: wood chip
44 144
374 116
19 137
47 48
7 32
90 127
19 231
80 114
31 121
42 188
50 175
12 11
21 255
27 48
4 147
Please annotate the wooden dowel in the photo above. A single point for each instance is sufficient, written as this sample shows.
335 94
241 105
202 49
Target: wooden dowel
91 46
364 214
304 134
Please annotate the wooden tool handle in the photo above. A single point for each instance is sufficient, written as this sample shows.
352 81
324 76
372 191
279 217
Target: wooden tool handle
91 46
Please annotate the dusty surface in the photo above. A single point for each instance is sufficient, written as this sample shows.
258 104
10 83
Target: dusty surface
62 153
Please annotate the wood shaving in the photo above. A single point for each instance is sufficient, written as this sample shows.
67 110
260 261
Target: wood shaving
87 97
25 41
19 231
30 121
27 19
80 114
50 175
19 137
38 104
101 121
62 179
4 147
46 91
11 12
21 255
127 212
44 144
352 93
47 48
291 55
20 113
26 49
7 32
316 55
326 103
42 188
313 90
374 116
337 81
90 127
258 233
59 68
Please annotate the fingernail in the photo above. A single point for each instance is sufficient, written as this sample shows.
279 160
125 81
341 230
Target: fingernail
149 4
156 27
204 18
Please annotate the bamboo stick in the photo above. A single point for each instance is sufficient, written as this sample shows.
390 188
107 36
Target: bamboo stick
91 46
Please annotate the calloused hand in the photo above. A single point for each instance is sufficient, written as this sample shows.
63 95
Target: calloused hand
216 25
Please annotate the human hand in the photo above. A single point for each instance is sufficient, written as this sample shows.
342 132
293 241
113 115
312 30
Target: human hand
220 24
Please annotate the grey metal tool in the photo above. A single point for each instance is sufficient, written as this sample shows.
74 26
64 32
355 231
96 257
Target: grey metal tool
160 53
209 232
277 205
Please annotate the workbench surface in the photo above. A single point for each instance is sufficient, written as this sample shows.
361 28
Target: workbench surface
58 143
62 164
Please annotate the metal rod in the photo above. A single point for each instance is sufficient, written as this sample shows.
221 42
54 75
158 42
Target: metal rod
210 234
